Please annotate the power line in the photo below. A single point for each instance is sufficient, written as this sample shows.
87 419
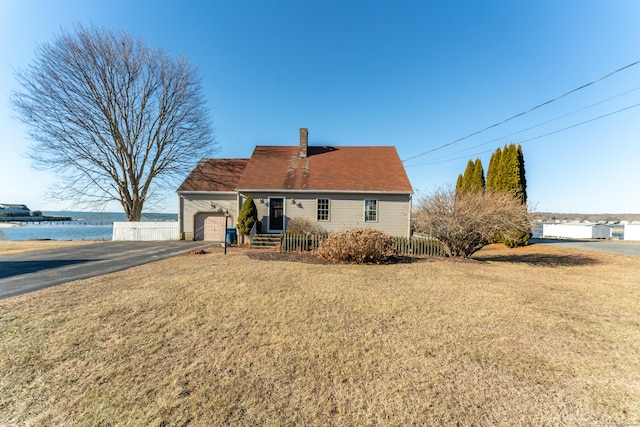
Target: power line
525 112
535 137
581 123
530 127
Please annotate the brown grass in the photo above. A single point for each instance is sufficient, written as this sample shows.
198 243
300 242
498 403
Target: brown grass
8 247
530 336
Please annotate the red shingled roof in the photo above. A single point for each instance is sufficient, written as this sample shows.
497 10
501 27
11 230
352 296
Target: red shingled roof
215 175
277 168
375 169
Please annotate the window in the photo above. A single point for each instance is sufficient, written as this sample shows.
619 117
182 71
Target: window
371 210
323 210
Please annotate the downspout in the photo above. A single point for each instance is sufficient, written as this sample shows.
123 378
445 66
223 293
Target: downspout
410 215
181 216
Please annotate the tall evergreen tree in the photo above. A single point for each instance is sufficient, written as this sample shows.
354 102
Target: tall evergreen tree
506 166
477 182
510 170
493 171
515 173
472 180
459 183
506 174
523 178
468 176
248 216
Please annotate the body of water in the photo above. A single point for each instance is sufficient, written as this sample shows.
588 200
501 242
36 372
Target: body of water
83 226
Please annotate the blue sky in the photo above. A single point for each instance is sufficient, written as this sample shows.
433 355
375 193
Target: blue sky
414 74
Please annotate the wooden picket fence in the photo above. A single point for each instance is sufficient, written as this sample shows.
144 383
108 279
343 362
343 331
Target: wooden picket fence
418 246
404 246
300 242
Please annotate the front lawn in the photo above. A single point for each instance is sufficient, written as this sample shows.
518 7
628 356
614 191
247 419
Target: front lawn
530 336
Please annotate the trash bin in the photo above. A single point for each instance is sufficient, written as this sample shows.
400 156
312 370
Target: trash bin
232 237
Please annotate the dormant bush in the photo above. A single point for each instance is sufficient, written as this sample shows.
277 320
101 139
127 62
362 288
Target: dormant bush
303 226
360 246
465 222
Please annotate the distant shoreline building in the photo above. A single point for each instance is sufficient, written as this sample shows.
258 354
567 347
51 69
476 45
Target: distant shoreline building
576 230
7 209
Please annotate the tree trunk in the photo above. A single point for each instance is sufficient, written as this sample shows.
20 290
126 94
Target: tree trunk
133 210
136 212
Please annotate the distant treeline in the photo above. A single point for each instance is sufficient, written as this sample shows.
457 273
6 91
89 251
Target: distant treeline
553 216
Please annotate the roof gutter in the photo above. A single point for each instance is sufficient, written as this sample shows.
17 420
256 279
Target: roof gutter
276 190
227 193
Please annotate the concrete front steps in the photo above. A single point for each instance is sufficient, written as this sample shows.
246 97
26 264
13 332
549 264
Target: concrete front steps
265 241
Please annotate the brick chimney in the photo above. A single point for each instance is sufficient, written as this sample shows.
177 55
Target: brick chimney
304 142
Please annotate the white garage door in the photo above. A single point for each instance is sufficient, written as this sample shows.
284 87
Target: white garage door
210 227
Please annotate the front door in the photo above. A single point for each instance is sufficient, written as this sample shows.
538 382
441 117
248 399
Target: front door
276 214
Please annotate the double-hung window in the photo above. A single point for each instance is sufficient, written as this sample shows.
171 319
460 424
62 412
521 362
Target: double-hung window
371 210
323 210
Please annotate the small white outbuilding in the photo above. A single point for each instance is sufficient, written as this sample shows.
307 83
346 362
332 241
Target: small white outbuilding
577 230
632 232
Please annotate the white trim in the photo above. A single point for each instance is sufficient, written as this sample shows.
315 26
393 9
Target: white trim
328 209
364 212
226 193
181 216
410 216
312 191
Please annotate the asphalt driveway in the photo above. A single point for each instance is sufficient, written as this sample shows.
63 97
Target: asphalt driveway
31 271
612 246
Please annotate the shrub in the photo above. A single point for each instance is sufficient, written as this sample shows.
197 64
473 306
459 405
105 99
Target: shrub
303 226
466 222
36 213
514 239
360 246
248 216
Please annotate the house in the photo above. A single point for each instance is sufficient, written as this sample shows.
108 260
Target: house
7 209
337 188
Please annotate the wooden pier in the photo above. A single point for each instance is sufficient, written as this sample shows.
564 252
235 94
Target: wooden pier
34 219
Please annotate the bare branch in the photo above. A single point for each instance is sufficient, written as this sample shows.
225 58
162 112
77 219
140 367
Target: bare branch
466 222
114 118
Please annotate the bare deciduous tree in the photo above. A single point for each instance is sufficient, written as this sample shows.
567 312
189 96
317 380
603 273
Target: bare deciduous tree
112 117
465 222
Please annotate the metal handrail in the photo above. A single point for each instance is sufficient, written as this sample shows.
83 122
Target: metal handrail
253 232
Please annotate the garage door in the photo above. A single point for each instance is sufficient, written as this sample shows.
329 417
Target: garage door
210 227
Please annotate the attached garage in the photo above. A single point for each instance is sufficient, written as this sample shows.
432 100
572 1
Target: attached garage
209 227
210 192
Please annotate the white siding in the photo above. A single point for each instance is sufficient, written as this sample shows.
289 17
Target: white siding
346 211
192 204
262 204
137 231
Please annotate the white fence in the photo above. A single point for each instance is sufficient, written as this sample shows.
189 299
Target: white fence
632 232
145 231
